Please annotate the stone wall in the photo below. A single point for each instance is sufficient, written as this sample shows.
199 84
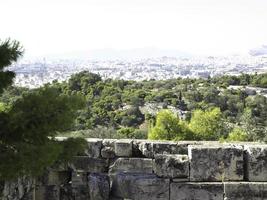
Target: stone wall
153 170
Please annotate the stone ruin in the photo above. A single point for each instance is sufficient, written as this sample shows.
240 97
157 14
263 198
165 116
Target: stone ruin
113 169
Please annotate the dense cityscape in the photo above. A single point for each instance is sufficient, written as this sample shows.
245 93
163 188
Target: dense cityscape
34 73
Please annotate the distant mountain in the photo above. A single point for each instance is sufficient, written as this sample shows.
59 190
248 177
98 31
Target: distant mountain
259 51
113 54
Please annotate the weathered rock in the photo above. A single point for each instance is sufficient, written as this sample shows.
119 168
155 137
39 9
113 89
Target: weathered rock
116 198
66 192
133 165
124 148
109 143
145 148
15 190
256 161
168 148
51 192
78 179
87 164
93 149
52 177
216 163
80 193
171 166
79 186
140 187
196 191
151 148
98 186
107 152
245 191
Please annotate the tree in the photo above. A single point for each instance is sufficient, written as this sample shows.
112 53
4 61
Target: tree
168 127
207 124
29 125
10 51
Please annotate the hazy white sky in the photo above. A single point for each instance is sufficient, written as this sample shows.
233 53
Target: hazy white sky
194 26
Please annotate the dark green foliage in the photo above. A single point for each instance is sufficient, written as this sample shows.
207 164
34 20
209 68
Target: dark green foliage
29 121
28 128
70 147
120 103
10 51
132 133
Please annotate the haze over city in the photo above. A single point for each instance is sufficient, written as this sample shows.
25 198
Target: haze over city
191 27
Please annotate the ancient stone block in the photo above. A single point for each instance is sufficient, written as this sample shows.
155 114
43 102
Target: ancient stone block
171 166
16 189
80 193
256 161
116 198
79 187
151 148
133 165
50 192
123 148
168 148
78 179
245 191
87 164
66 192
140 187
216 163
52 177
145 148
98 186
109 142
196 191
93 149
107 152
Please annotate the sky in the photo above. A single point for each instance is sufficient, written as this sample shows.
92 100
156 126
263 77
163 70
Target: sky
201 27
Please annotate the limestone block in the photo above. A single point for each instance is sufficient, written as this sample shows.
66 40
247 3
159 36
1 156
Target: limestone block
93 149
165 148
109 142
107 152
256 158
171 166
116 198
98 186
151 148
50 192
78 179
80 193
196 191
16 189
79 187
140 187
245 191
66 192
134 165
145 148
216 163
124 148
86 164
169 147
52 177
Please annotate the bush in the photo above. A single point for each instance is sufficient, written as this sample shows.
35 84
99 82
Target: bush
237 134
